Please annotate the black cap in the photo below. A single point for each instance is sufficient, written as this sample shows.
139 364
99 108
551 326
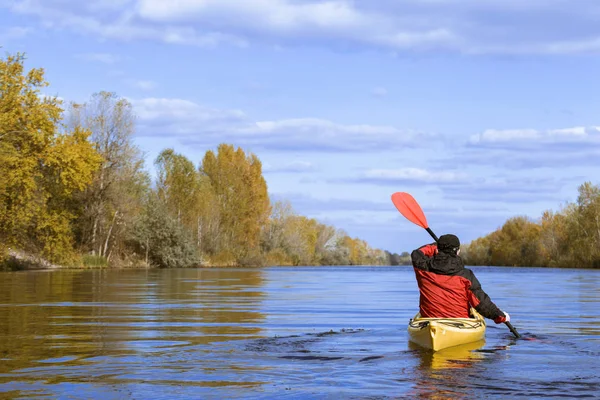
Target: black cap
448 242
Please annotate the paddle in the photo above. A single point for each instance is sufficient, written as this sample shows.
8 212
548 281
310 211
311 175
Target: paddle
408 206
411 210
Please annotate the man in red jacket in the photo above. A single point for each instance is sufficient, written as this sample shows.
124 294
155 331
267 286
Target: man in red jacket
447 288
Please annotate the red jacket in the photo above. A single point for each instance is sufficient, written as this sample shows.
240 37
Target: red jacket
448 289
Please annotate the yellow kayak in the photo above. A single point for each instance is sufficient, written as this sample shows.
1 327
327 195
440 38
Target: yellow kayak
441 333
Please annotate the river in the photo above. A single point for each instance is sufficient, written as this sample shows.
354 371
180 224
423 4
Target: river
307 332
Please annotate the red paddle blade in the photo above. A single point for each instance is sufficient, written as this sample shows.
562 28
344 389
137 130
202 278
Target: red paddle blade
409 207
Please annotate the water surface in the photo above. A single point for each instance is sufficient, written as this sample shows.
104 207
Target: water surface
310 332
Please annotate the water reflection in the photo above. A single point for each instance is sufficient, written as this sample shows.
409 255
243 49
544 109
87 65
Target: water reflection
71 325
285 332
444 374
588 298
463 356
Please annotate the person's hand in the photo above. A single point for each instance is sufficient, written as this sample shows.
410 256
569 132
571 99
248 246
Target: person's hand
429 250
434 245
502 318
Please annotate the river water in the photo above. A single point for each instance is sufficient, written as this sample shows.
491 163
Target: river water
309 332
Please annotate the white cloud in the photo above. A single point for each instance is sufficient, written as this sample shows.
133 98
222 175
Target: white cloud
198 125
276 15
142 84
471 27
292 167
318 134
180 116
519 149
494 135
415 175
517 137
105 58
579 131
463 186
115 23
526 190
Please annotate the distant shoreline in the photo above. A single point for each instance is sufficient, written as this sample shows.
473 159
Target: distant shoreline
39 267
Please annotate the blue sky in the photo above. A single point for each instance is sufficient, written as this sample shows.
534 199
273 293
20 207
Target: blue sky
482 110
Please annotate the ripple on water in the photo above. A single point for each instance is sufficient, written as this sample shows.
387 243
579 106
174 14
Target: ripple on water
286 333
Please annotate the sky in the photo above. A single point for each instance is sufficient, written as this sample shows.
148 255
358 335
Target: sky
482 110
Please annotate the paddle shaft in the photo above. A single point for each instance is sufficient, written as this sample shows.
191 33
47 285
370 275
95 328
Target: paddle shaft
512 329
432 234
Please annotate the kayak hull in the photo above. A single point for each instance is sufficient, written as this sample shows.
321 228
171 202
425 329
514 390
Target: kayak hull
441 333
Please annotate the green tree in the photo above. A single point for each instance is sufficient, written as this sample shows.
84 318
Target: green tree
178 186
161 239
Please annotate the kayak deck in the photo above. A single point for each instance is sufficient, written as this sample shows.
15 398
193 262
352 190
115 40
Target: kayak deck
441 333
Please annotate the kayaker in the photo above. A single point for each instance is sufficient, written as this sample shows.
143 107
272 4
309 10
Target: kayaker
448 289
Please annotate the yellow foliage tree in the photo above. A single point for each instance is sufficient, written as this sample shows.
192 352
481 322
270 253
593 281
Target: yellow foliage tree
40 167
569 238
241 196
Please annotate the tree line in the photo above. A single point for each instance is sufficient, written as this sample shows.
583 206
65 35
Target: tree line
74 190
569 238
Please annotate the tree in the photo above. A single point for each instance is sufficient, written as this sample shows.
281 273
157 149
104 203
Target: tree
300 238
161 239
569 238
584 227
241 196
114 198
553 237
178 186
41 168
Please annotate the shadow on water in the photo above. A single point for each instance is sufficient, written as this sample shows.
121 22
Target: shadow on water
295 344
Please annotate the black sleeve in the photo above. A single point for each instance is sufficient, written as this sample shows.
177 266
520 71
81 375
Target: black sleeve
420 257
485 307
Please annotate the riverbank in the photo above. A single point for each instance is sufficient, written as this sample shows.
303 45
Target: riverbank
23 261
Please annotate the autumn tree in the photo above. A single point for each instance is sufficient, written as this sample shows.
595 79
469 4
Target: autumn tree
242 199
42 164
324 242
584 226
274 240
189 197
568 238
300 238
554 239
178 185
114 198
